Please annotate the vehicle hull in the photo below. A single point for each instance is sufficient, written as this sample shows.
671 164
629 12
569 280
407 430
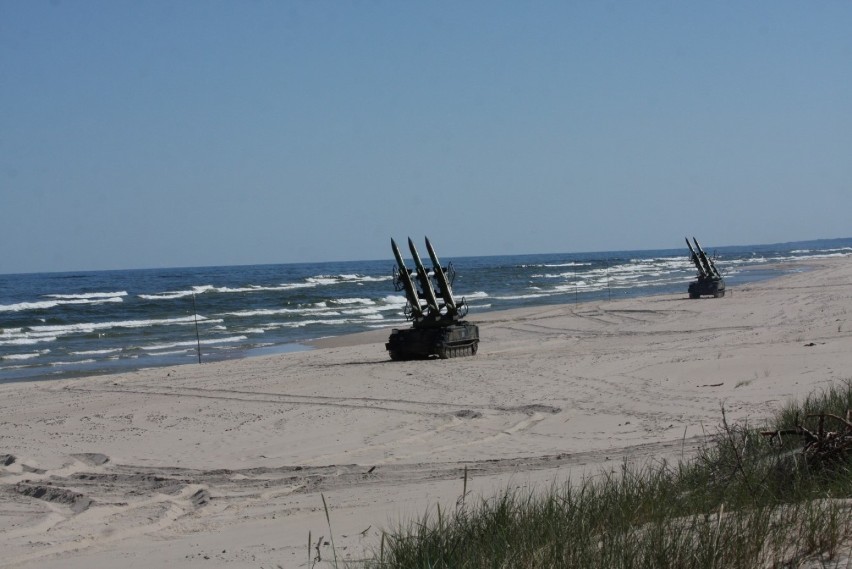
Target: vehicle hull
417 343
714 287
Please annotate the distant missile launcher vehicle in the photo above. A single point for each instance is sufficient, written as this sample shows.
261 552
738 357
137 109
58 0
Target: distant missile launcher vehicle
438 328
710 281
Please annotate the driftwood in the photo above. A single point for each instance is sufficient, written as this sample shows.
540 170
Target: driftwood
822 445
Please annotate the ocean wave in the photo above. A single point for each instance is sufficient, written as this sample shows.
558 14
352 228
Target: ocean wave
357 311
75 362
47 304
87 295
189 344
352 301
346 278
89 327
96 352
368 279
634 270
521 296
310 282
815 255
568 264
280 312
823 251
202 289
21 357
477 294
386 324
828 255
25 341
303 323
556 265
394 300
187 351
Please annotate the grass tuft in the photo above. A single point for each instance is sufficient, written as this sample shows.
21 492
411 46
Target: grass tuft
743 501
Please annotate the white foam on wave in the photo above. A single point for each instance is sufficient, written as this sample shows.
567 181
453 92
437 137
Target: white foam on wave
823 252
87 295
557 265
199 290
827 255
364 278
303 323
310 282
562 265
58 364
632 276
477 294
327 280
816 255
27 356
334 307
46 304
362 311
280 312
96 352
394 300
521 296
637 267
189 344
353 301
25 341
323 280
172 352
89 327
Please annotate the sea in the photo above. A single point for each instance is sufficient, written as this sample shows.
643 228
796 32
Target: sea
70 324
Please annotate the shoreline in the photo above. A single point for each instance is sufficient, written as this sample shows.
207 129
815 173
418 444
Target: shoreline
232 460
110 365
380 335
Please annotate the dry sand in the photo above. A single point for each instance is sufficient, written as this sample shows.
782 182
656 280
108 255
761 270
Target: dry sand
223 465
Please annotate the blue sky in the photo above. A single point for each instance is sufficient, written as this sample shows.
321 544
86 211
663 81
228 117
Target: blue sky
155 134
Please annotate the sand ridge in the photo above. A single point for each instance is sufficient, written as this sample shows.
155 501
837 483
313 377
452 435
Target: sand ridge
227 462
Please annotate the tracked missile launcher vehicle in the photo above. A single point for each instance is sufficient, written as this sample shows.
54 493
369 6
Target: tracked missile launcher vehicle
437 325
710 281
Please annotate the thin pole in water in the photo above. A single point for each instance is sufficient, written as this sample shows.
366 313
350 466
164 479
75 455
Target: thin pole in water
575 293
197 337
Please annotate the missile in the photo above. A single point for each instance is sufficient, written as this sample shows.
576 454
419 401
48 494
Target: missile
441 277
694 257
708 264
405 277
423 276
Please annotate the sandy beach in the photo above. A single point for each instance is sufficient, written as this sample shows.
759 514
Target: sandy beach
226 464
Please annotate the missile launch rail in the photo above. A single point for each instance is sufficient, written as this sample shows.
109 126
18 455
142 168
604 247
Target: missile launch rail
438 328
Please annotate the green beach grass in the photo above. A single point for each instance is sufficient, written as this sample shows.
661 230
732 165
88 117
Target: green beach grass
745 500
